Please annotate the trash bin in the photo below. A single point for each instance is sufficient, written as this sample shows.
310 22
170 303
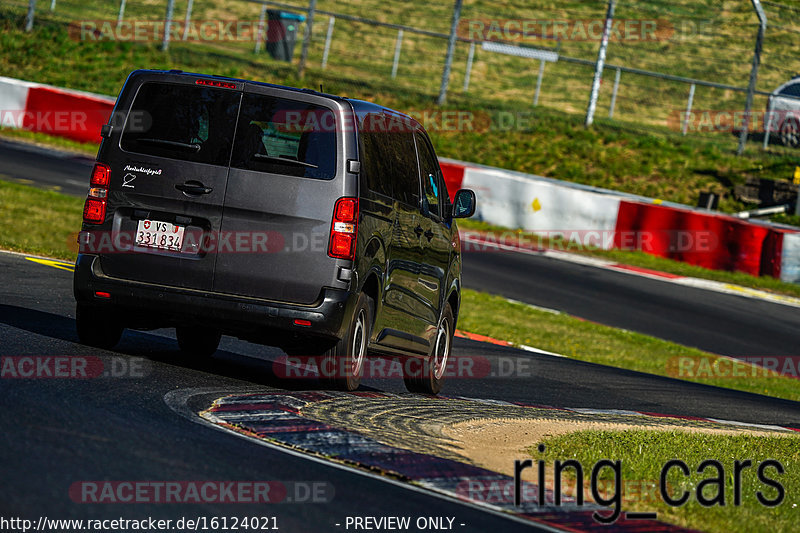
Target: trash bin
708 200
282 33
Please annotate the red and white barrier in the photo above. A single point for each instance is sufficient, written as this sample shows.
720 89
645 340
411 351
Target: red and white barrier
505 198
709 240
42 108
543 206
790 258
609 219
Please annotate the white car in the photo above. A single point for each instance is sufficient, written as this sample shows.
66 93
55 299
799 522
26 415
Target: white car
784 105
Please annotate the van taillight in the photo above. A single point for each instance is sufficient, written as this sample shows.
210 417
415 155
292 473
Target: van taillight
94 210
101 174
344 229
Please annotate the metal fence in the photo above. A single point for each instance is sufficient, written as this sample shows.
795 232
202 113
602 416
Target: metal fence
674 68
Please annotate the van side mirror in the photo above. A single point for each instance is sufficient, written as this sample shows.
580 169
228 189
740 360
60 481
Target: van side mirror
464 204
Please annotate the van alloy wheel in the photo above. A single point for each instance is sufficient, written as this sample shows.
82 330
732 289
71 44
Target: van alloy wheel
430 378
342 364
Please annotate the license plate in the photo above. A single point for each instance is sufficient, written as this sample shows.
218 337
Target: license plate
161 235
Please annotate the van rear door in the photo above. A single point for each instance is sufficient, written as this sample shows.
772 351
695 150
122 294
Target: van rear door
168 177
286 174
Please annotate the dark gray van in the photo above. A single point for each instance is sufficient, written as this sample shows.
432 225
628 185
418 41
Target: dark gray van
282 216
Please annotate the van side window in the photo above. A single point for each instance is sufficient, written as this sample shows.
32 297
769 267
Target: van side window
430 174
182 122
373 162
388 157
400 152
287 137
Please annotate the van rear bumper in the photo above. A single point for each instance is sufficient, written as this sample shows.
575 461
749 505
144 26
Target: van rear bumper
145 305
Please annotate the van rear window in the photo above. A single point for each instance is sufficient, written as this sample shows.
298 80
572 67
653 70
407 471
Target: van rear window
183 122
287 137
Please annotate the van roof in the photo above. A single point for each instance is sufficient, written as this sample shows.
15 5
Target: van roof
359 106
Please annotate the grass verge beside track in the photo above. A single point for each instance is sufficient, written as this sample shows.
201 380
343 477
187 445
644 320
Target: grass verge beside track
506 132
46 223
39 222
519 323
643 454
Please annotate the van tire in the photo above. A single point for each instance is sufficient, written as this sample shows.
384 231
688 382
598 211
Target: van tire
197 341
430 377
342 365
97 326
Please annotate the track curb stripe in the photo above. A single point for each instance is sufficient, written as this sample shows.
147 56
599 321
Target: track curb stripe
281 421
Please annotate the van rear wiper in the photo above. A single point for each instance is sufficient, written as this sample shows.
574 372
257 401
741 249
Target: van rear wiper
284 160
189 147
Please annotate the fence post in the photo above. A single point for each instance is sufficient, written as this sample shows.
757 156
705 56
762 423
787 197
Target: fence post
768 124
188 19
751 87
260 34
328 37
168 24
121 12
685 125
301 68
448 61
29 17
398 45
470 57
598 69
614 94
538 83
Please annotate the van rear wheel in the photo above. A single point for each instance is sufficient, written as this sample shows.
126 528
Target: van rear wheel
342 365
196 341
97 327
430 377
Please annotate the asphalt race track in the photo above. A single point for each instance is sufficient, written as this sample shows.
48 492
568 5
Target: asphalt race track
56 432
719 323
44 168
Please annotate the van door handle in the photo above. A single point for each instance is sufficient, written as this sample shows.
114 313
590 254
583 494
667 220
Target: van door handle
429 234
418 230
194 187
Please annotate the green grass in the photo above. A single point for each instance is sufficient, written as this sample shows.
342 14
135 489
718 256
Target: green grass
519 323
641 259
548 140
39 222
46 223
643 454
62 143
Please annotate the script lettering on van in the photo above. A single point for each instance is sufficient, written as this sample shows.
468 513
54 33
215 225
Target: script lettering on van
143 170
